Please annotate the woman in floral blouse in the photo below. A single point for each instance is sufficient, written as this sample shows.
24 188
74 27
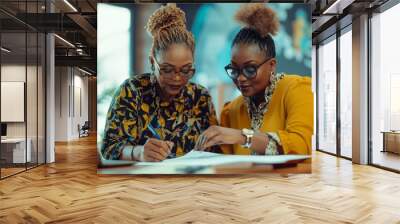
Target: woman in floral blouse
160 115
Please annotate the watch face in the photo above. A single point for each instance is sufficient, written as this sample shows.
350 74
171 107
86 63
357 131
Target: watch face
247 131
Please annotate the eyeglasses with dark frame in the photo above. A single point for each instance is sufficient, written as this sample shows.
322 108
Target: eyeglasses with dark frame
249 71
185 72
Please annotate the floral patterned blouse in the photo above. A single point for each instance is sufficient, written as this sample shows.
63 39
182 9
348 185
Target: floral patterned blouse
137 107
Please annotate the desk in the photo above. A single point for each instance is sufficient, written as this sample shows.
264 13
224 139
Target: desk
300 167
13 150
391 141
294 168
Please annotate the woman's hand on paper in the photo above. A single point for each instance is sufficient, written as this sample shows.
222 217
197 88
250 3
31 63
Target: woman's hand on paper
156 150
217 135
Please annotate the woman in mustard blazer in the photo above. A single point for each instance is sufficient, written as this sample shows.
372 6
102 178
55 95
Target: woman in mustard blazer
274 114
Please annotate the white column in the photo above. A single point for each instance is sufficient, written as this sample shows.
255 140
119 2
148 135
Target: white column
360 90
50 92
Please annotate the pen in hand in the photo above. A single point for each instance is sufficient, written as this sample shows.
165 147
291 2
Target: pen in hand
157 136
153 131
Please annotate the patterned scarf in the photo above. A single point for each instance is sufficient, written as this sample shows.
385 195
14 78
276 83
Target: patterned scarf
255 112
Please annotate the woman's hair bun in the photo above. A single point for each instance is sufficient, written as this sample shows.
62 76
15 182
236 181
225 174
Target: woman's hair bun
166 17
258 17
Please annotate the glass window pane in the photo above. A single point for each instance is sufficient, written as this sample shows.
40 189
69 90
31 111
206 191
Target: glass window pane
13 87
386 89
327 97
23 85
31 97
346 94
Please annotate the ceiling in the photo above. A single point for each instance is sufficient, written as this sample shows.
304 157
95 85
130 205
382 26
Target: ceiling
329 16
76 22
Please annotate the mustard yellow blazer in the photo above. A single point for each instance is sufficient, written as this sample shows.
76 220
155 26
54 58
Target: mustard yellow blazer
290 114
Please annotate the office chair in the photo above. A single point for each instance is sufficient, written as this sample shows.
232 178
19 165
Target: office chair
84 130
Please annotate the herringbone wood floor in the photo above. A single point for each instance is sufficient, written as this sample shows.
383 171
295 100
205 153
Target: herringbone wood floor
70 191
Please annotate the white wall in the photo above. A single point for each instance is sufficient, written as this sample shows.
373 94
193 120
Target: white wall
16 73
70 83
12 73
61 103
80 117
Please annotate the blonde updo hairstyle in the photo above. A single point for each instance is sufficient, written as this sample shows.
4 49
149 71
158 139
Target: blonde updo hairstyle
259 24
167 25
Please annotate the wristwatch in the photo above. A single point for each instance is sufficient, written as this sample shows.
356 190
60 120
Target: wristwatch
248 133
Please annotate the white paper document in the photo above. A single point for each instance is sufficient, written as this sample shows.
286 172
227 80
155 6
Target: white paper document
200 158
